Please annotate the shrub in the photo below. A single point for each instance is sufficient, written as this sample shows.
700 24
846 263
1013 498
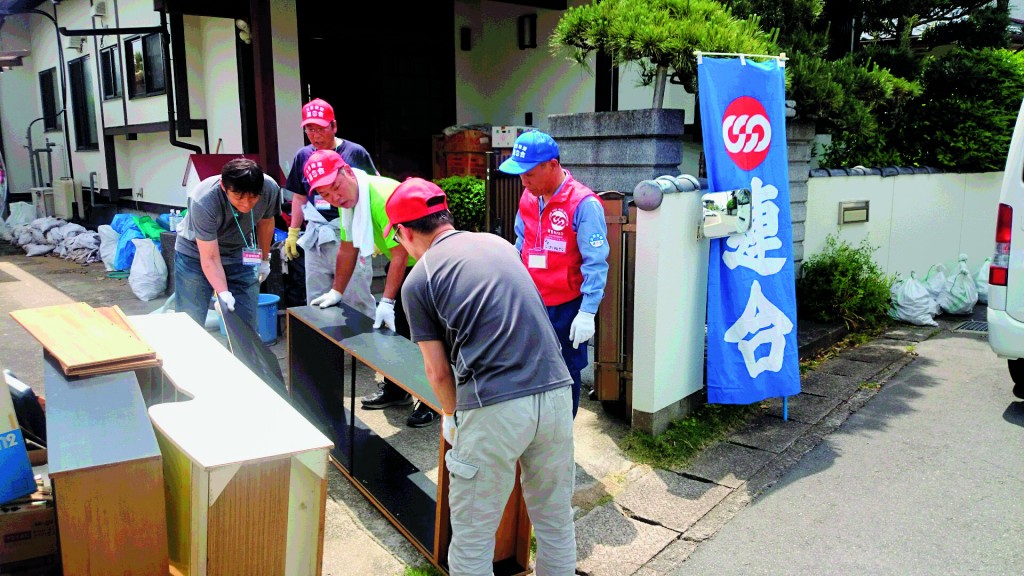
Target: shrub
964 117
843 283
466 201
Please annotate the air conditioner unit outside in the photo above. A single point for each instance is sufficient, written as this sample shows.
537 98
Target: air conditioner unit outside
42 200
99 9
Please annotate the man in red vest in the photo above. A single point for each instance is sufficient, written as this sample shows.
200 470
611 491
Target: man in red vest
561 238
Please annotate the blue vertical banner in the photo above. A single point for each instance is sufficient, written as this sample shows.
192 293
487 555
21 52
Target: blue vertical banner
752 346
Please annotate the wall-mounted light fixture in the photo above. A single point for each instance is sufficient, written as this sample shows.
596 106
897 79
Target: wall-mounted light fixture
465 39
243 31
527 31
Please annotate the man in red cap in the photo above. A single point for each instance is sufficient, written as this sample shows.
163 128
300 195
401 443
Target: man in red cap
360 200
508 396
320 240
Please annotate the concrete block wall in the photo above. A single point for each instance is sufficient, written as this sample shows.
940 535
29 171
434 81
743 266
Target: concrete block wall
616 150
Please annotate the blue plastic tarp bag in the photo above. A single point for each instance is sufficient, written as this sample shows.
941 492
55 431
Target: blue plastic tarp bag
124 224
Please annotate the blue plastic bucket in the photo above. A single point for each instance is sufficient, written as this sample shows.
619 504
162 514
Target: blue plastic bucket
266 317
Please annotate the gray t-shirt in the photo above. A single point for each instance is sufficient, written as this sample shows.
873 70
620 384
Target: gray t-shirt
211 217
472 292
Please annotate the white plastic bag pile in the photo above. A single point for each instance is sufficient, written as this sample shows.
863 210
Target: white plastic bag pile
912 302
148 276
38 236
920 301
960 293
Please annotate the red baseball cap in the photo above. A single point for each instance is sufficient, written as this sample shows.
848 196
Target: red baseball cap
412 200
317 112
322 167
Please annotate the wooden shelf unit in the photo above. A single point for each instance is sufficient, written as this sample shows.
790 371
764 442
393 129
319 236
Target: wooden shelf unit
107 474
245 473
318 341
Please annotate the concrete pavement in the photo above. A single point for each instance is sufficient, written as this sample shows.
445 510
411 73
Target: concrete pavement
631 519
926 478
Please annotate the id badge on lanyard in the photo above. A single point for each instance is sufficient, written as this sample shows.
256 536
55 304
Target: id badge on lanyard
252 256
320 204
537 258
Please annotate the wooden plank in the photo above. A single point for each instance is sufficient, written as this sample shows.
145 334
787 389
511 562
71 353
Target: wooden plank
79 336
113 367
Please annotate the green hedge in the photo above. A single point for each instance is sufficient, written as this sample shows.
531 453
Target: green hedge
466 201
964 118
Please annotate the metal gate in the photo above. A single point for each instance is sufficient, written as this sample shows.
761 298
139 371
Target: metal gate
502 192
613 342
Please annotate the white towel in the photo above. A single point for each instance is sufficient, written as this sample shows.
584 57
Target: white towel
318 230
357 221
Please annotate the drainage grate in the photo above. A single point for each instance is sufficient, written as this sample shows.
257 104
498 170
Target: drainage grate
972 326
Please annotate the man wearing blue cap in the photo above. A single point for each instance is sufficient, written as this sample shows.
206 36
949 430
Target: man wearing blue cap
561 238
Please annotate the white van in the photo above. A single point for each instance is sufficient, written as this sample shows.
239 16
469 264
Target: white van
1006 274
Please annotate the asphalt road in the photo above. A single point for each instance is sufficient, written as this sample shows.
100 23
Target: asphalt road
927 478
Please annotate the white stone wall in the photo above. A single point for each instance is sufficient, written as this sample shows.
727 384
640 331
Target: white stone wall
916 220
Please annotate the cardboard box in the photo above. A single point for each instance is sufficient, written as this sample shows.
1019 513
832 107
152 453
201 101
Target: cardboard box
467 164
27 531
468 141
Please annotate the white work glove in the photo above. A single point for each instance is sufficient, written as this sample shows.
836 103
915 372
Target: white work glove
448 429
582 328
327 300
264 270
228 299
385 315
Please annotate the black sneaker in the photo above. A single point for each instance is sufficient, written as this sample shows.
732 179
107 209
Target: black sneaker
382 398
421 416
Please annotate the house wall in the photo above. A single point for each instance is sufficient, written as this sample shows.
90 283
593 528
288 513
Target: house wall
497 83
287 87
916 220
150 166
17 86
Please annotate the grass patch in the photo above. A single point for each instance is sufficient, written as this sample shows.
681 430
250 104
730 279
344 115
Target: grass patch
422 571
686 438
870 386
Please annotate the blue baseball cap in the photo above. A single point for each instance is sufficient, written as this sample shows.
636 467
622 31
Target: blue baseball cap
530 149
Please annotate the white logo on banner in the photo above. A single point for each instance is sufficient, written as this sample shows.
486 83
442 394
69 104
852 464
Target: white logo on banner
768 325
749 249
741 134
747 132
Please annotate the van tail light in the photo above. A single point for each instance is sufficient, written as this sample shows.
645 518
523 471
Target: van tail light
999 268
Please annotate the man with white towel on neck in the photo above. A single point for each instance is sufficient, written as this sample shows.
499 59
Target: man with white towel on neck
360 199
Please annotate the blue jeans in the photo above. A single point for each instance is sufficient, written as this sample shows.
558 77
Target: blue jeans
192 291
576 359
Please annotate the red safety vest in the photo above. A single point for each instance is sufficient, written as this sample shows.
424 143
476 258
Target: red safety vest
560 282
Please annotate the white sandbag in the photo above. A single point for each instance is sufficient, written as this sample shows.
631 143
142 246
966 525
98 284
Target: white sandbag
981 280
88 240
912 302
148 276
37 249
960 294
935 280
108 245
22 213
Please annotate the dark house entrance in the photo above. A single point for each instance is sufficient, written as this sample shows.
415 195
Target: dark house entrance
389 73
